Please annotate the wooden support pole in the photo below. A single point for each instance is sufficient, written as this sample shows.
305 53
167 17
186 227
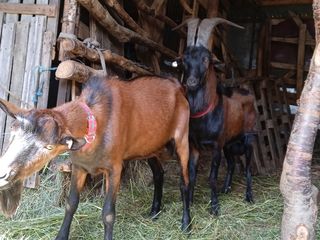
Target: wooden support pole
77 48
119 32
72 70
300 196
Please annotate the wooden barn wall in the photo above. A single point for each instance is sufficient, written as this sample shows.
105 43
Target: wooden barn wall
26 51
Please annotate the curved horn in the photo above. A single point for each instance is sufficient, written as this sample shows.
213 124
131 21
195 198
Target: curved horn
206 27
192 29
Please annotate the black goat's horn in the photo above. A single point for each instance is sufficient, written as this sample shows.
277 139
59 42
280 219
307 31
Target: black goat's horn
205 29
192 29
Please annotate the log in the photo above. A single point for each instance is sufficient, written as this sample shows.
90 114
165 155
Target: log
300 196
126 17
77 48
72 70
152 13
121 33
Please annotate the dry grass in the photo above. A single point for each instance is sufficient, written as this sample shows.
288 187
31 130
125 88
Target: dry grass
39 216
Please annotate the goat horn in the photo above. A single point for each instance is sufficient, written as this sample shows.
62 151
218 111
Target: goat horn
205 29
192 29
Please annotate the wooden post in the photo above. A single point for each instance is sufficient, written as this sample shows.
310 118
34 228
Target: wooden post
300 196
68 27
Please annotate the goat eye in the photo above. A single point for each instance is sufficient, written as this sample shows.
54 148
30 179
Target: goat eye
49 147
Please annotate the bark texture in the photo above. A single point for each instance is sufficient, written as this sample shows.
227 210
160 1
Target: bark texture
300 196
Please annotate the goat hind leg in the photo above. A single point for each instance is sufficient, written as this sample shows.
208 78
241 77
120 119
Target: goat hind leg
78 177
182 149
157 172
248 156
230 169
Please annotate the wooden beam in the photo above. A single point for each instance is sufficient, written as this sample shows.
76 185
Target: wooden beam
119 32
72 70
301 55
283 2
310 42
28 9
77 48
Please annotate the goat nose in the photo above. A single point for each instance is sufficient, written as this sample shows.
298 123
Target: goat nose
192 81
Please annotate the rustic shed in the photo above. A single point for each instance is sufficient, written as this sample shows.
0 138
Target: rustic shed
70 40
135 37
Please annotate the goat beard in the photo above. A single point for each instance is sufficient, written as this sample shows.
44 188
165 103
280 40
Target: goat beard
10 199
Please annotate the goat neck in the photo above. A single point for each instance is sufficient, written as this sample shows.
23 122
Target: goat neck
73 112
206 95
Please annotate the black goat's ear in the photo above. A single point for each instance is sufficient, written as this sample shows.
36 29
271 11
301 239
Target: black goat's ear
73 143
11 109
174 64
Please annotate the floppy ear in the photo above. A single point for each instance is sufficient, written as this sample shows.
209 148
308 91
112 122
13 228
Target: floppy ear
73 143
10 199
11 109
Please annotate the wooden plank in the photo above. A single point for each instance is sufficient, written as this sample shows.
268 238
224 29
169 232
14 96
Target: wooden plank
29 9
283 2
52 23
27 18
1 23
310 42
6 57
300 60
31 76
18 66
12 18
44 82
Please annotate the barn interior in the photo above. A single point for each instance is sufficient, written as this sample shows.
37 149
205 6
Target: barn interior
48 48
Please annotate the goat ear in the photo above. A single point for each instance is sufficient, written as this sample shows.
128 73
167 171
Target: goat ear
73 143
10 109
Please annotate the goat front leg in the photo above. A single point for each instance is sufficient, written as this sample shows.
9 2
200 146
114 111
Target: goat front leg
193 169
215 164
108 212
78 178
157 172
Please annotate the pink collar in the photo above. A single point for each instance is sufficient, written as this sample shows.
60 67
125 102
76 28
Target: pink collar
203 112
91 124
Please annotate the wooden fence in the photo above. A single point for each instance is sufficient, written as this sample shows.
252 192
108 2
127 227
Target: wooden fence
27 38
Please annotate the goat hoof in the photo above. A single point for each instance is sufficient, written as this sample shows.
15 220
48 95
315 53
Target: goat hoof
154 214
186 227
249 198
226 190
215 210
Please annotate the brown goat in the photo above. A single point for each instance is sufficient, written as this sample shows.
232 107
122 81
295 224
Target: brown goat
110 122
221 117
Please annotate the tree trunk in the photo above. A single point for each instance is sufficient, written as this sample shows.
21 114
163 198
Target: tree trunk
300 196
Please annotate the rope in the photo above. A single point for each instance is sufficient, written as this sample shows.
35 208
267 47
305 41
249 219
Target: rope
39 91
90 43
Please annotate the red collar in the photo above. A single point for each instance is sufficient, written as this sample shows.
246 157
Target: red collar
203 112
91 124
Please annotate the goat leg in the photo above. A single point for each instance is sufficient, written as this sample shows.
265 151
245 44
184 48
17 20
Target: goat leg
193 169
230 169
248 156
215 164
109 211
157 172
78 178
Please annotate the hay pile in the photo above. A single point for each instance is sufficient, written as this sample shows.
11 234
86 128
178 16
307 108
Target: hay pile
39 216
